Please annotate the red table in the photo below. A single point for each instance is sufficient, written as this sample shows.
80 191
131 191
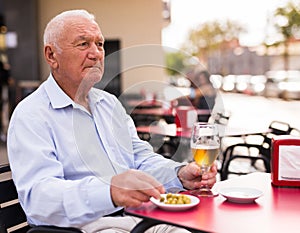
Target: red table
164 112
278 210
143 104
146 116
167 130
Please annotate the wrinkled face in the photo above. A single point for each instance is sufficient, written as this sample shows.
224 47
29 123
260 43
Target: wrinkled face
80 58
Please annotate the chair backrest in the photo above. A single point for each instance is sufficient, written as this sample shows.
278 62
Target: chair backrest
220 118
12 215
280 128
295 132
275 128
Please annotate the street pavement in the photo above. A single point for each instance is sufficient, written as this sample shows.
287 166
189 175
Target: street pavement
257 112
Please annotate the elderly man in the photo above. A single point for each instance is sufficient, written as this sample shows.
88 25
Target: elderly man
75 155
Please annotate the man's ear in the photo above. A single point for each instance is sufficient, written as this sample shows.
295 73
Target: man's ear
50 56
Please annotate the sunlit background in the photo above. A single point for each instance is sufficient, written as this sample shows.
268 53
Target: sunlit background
188 14
251 49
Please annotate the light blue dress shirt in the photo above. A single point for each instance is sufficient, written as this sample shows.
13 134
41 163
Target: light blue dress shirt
62 157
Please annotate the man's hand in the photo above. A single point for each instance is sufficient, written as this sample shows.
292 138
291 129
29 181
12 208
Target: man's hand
191 178
133 187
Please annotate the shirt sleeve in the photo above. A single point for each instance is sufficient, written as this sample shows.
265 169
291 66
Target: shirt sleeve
164 170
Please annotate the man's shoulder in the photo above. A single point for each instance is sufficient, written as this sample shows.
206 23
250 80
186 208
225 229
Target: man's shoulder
34 100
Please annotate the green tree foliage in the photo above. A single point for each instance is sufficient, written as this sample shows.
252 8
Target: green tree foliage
211 36
175 62
287 22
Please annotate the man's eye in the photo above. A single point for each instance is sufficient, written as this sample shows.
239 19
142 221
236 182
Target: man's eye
83 45
100 44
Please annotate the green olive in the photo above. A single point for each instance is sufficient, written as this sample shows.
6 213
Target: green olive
175 199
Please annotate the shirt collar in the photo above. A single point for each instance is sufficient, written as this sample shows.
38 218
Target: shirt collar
95 95
59 99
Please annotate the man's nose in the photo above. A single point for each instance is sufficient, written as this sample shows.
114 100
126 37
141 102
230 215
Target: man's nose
96 52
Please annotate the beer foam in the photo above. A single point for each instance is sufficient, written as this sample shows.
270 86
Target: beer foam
205 147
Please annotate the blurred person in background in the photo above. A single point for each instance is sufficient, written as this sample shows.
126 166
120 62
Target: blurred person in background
203 94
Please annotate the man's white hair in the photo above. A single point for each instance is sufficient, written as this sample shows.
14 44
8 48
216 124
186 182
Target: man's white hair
56 26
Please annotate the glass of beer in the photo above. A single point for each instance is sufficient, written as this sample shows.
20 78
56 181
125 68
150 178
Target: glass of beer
205 146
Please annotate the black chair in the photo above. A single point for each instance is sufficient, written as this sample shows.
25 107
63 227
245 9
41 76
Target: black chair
220 118
253 152
168 147
12 216
164 145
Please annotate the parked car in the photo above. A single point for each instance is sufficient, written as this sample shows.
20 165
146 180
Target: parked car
216 80
242 83
229 82
273 79
257 84
290 88
283 84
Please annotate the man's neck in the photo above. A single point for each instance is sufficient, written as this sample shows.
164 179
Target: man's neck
83 100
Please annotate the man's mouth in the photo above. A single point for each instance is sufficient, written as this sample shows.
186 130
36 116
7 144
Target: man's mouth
90 67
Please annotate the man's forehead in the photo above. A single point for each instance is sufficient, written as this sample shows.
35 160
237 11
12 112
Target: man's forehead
86 36
81 23
83 28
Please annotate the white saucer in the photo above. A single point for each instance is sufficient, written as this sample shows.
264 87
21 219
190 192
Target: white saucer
175 207
241 195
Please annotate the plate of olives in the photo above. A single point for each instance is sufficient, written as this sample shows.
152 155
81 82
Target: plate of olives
175 202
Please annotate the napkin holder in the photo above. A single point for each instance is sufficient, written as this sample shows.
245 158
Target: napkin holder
185 117
285 161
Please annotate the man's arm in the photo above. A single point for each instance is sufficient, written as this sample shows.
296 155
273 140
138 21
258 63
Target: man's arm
45 194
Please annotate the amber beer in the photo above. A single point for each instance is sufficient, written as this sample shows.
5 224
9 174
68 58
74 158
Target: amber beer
205 155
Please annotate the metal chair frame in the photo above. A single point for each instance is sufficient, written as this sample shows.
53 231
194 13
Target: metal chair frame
264 149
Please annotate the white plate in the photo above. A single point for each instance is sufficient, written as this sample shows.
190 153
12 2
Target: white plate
241 195
175 207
